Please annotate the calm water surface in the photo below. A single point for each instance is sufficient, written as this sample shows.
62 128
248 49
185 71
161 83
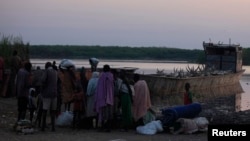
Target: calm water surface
146 67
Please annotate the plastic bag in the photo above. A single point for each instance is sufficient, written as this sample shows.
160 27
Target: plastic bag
65 119
150 128
202 123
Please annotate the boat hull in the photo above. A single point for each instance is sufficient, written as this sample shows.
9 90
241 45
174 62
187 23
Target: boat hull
169 91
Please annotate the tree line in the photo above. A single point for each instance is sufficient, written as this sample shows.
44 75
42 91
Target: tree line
124 53
116 52
26 51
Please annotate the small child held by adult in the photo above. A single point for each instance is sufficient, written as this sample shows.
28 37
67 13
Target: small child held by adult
32 103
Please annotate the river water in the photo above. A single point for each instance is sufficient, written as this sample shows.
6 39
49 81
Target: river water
146 67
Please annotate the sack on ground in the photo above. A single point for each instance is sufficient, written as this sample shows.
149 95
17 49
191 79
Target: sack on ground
150 128
24 127
65 119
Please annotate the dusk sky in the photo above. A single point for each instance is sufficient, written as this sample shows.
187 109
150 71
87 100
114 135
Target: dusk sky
136 23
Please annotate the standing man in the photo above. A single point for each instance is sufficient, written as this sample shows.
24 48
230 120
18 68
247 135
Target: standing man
22 86
49 94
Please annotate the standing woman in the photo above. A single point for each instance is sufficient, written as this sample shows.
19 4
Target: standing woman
104 98
68 82
91 90
141 102
126 102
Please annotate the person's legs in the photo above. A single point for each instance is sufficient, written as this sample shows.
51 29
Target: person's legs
53 117
53 113
39 117
22 107
46 105
44 115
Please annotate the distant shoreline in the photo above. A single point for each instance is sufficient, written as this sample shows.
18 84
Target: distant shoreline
117 60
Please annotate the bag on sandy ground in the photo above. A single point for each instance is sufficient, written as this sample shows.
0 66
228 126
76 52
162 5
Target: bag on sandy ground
202 123
150 128
24 127
65 119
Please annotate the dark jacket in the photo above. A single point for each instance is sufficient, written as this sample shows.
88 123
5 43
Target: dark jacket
49 80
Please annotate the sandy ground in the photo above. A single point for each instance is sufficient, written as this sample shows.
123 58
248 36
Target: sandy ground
8 117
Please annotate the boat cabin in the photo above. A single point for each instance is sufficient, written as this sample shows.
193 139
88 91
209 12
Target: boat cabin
223 56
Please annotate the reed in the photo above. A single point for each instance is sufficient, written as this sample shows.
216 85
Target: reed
8 44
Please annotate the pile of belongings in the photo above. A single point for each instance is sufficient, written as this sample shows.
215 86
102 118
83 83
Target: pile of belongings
24 127
65 119
189 126
184 119
170 115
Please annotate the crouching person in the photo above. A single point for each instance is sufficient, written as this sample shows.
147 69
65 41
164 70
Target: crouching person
49 95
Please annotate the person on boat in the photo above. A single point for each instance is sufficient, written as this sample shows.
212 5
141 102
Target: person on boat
188 96
142 112
104 98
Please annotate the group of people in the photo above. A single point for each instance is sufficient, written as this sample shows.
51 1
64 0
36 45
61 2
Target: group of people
116 97
28 88
102 100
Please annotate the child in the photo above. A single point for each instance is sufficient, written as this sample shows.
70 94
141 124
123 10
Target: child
188 96
32 105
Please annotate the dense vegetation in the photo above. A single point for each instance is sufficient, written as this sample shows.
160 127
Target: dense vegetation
10 43
117 52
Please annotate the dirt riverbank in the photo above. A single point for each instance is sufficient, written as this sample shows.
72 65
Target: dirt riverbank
8 111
